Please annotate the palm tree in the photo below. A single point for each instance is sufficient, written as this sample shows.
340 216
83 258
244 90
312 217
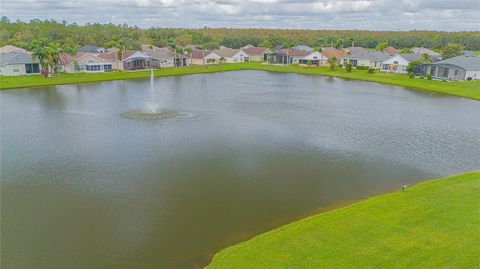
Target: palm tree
178 52
332 62
319 49
426 58
47 53
189 51
74 52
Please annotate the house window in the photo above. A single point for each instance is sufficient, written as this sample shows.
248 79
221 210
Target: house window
235 59
107 67
16 70
455 72
395 62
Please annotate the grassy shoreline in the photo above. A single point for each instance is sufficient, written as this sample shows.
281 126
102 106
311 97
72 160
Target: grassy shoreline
467 89
434 224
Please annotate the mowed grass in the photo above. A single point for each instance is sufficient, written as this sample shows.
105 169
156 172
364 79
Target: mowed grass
468 89
435 224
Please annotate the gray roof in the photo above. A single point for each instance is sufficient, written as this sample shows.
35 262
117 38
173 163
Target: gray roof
15 57
304 48
464 61
411 57
90 49
373 56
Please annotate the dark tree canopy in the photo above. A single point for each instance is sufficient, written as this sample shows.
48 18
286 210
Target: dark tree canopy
70 34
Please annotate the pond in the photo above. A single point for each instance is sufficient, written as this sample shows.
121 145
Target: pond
82 186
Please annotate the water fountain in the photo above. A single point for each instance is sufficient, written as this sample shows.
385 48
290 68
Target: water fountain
152 109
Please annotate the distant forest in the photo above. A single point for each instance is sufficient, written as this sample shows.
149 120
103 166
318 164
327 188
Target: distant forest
65 34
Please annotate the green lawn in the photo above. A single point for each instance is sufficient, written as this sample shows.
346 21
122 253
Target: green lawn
468 89
435 224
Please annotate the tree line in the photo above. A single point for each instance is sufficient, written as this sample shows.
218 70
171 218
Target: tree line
70 35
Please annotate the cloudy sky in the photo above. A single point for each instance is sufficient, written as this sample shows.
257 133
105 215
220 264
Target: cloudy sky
447 15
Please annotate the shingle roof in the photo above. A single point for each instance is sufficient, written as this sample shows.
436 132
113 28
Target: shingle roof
89 49
374 56
294 52
198 54
467 62
411 57
355 49
334 53
226 52
304 48
255 50
10 48
161 53
112 56
421 50
15 57
68 59
391 50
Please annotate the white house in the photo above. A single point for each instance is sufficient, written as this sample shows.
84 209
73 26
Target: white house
212 58
368 59
314 58
462 67
231 55
398 63
86 62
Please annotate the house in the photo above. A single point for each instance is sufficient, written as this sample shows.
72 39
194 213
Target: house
167 57
304 48
138 60
338 54
398 63
294 55
232 55
197 56
391 51
212 58
91 49
368 59
10 48
248 46
257 54
85 62
17 63
315 58
462 67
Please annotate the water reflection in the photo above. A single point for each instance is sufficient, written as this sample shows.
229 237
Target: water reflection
83 187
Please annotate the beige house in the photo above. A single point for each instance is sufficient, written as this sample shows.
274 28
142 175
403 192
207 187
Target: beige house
257 54
86 62
197 57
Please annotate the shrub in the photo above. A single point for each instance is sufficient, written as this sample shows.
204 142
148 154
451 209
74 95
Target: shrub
362 67
371 70
348 67
429 77
411 75
421 77
444 80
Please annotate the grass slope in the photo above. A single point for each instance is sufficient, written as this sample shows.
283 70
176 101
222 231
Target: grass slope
468 89
435 224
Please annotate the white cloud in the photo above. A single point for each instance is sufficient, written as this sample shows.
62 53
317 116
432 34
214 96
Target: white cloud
459 15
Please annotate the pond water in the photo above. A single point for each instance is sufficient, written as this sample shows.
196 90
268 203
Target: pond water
84 187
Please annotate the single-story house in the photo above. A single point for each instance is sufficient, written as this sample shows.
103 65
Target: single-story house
398 63
315 58
212 58
391 51
257 54
248 46
86 62
168 58
232 55
462 67
294 55
197 56
138 60
91 49
17 63
370 59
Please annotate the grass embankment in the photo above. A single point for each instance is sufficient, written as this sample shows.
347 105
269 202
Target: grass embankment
468 89
435 224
